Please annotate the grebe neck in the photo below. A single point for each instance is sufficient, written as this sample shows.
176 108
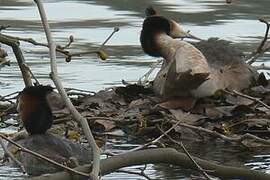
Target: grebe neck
166 46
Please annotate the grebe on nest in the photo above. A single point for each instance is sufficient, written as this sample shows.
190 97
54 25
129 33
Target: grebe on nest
34 109
197 70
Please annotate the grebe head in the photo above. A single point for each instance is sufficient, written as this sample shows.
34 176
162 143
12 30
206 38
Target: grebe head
150 11
154 26
34 109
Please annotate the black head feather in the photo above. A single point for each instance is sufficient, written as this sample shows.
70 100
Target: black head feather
150 11
39 90
152 26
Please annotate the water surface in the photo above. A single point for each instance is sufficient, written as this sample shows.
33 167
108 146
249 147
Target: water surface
90 22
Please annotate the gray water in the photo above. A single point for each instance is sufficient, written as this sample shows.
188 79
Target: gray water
90 22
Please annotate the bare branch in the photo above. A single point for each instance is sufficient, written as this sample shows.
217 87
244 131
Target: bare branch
96 151
68 55
19 56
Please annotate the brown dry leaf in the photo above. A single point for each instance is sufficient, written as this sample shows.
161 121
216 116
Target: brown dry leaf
267 99
265 110
117 132
14 150
185 103
3 53
138 103
87 114
260 90
107 125
188 118
226 110
100 141
213 113
55 101
251 143
237 100
257 122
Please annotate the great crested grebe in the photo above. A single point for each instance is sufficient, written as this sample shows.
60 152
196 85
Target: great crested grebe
197 70
34 109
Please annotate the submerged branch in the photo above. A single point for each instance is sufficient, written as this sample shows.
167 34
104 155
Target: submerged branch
161 155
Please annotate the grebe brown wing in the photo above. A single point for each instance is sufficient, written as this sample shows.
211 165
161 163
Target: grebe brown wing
185 71
226 62
220 52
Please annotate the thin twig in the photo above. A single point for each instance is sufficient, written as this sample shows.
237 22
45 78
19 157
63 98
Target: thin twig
7 152
155 140
5 96
262 67
115 29
97 51
32 74
144 79
32 41
86 129
3 27
237 139
43 157
136 173
70 41
236 93
68 55
260 50
257 100
80 90
189 156
6 99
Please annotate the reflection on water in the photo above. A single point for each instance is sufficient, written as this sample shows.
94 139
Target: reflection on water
90 22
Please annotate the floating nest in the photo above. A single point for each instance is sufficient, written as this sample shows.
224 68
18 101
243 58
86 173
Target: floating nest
134 112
